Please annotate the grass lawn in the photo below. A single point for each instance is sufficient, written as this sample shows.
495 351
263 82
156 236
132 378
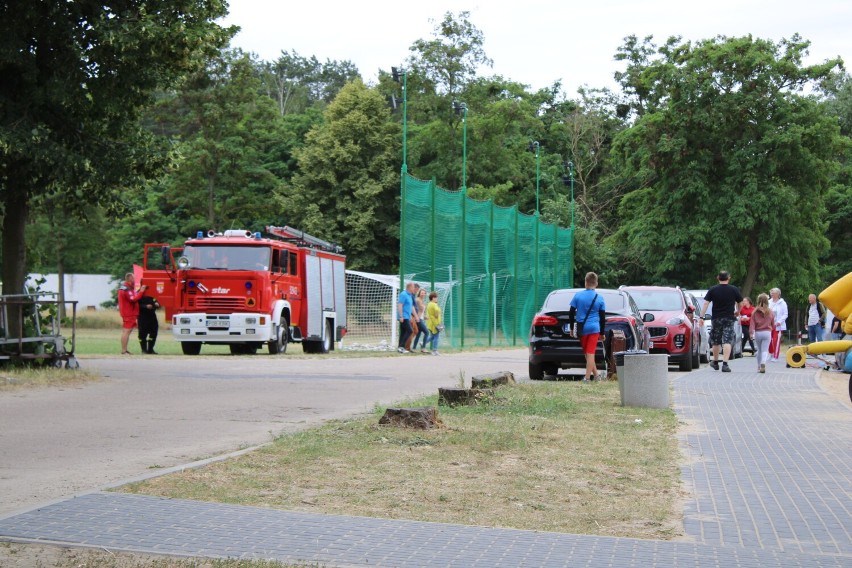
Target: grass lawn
553 456
99 333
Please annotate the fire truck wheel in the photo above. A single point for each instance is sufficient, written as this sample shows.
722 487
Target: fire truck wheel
190 347
280 345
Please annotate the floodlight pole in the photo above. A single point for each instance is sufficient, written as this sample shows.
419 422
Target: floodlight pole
537 148
398 74
571 176
462 108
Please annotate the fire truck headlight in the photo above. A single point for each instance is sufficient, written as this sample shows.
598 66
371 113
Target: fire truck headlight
184 332
251 321
262 321
249 332
184 321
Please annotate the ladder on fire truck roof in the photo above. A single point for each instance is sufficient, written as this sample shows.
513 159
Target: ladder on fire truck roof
301 237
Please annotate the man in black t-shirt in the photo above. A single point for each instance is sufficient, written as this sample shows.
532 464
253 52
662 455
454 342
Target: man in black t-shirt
726 301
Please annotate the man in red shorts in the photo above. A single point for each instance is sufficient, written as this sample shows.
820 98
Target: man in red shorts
588 310
128 307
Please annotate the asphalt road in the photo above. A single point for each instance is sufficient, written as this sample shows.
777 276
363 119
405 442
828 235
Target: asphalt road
150 413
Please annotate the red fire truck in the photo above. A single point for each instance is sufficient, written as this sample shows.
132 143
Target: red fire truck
240 289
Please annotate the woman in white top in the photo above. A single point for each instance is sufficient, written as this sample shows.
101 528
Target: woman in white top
779 309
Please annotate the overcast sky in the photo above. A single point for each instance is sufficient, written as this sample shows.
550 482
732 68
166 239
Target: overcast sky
534 42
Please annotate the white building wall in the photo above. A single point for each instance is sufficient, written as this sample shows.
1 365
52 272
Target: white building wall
87 289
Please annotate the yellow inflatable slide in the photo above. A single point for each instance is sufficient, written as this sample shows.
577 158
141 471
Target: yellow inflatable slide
796 355
838 299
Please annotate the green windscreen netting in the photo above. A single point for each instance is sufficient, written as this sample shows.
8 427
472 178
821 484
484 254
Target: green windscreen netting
492 266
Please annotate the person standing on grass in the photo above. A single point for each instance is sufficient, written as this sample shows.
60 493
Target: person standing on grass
148 324
814 319
434 321
727 301
779 310
588 310
404 307
760 330
128 307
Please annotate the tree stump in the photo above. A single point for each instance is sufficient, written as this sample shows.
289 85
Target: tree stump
422 418
492 380
462 397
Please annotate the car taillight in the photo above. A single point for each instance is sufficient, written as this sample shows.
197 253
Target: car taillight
542 320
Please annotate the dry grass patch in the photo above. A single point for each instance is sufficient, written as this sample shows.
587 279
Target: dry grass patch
14 555
13 378
552 456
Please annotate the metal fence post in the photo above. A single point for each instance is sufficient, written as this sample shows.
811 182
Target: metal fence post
433 191
515 278
490 271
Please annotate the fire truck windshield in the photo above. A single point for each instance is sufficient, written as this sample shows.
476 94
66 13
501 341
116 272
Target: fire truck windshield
210 257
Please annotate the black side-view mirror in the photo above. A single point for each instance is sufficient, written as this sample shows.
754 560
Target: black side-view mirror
166 253
647 317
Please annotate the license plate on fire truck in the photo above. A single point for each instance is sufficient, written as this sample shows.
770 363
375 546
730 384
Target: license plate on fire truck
218 323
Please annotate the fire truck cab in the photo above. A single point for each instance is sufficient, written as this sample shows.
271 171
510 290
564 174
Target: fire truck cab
240 289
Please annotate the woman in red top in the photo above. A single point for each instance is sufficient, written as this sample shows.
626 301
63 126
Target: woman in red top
128 307
745 319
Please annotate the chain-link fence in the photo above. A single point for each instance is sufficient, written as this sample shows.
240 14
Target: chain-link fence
494 264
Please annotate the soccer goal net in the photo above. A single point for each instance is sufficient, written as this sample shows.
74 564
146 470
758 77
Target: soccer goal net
371 306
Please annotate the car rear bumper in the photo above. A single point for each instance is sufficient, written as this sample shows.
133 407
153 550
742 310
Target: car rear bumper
566 356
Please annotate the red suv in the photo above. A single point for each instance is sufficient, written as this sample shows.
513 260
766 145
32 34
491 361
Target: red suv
670 320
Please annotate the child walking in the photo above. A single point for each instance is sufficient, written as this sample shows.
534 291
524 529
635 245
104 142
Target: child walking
760 330
434 321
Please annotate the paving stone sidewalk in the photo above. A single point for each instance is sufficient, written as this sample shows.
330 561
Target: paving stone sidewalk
769 466
770 460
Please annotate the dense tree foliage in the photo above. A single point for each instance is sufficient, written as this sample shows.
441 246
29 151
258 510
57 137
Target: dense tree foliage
731 159
722 153
75 77
347 187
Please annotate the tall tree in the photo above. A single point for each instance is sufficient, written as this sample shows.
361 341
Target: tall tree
732 160
75 77
347 188
227 135
296 83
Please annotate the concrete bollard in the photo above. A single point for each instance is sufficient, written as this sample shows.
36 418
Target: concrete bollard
643 379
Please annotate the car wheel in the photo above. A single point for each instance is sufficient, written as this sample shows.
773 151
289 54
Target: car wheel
686 363
696 360
536 372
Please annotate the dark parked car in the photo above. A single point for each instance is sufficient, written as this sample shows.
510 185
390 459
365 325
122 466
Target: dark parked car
551 346
671 321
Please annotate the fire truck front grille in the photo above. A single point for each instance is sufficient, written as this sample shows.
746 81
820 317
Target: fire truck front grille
214 304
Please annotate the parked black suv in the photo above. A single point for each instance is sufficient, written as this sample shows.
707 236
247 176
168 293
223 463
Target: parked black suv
551 346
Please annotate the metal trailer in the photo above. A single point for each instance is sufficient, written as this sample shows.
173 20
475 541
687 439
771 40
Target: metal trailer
30 342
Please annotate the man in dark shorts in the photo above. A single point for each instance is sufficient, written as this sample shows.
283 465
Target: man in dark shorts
727 301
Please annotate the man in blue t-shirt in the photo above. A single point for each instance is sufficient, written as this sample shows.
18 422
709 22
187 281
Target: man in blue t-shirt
403 312
588 309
